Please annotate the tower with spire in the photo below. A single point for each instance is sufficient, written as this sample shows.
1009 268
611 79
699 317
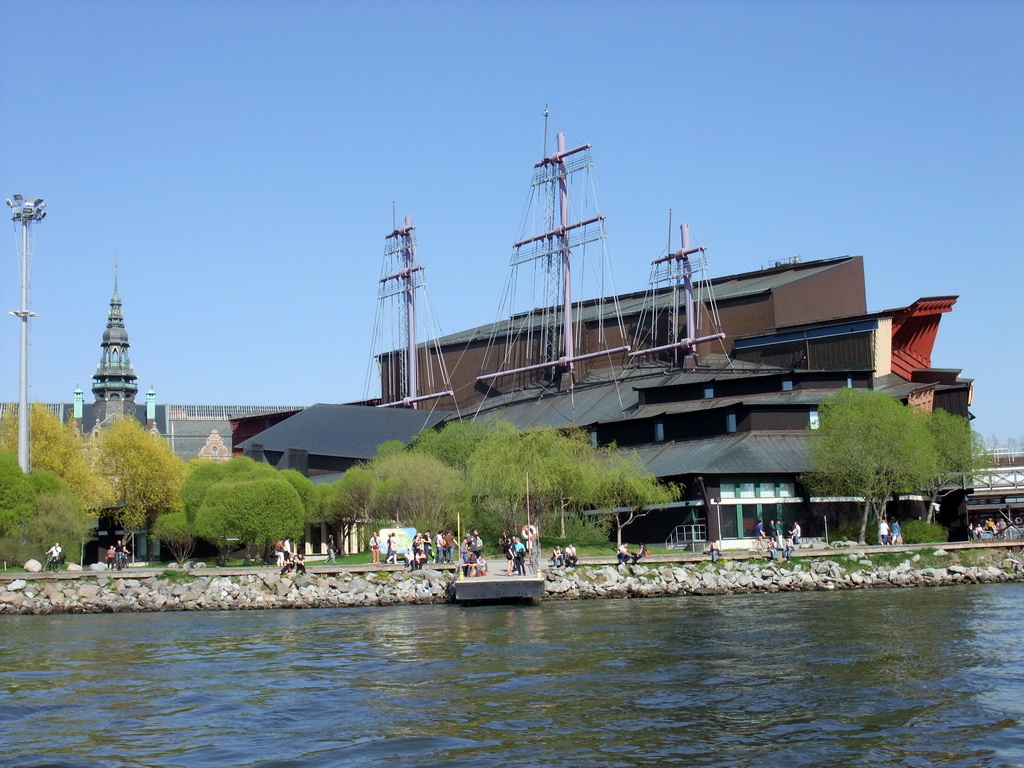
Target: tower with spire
113 384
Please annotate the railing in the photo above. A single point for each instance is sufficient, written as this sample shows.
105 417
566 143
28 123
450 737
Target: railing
1000 479
685 536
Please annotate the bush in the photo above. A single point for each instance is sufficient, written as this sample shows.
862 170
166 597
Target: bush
850 531
921 532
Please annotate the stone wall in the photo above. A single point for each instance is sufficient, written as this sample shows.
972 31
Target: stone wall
185 592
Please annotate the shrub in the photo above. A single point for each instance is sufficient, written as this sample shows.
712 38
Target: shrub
921 532
850 531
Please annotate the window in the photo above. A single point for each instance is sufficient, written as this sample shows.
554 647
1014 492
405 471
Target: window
659 431
813 421
730 422
766 490
728 490
709 392
593 438
787 385
746 490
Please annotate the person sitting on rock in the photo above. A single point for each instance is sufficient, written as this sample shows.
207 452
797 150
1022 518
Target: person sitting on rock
623 554
557 558
716 550
570 555
299 562
640 553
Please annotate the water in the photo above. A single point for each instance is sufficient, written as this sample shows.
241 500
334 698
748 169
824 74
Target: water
914 677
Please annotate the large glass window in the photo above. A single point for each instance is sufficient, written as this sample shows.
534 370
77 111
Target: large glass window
813 421
730 422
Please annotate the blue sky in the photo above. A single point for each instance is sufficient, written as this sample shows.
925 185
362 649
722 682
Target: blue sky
239 160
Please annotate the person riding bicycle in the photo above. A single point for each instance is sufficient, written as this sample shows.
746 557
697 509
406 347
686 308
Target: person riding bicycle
53 556
120 555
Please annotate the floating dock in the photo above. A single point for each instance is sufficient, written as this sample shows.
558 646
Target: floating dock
499 588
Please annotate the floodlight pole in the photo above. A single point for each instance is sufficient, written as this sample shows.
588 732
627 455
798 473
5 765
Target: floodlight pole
25 212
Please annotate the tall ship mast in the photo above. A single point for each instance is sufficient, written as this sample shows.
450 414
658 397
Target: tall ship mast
673 273
543 344
401 288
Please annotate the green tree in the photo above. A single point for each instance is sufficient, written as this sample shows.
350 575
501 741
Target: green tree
252 512
176 532
561 467
348 502
304 487
145 473
869 445
59 448
628 489
203 474
454 444
60 518
959 451
17 496
417 490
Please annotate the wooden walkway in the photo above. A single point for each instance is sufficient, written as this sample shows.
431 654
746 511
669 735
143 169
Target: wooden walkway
679 558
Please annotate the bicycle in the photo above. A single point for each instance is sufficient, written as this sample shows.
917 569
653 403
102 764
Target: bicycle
52 563
120 560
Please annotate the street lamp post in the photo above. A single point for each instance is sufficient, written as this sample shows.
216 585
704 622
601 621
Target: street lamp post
25 212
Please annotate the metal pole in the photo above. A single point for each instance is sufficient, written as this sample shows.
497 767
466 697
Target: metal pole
24 460
410 315
563 220
825 518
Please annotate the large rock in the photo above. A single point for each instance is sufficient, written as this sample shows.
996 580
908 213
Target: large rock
16 585
74 567
98 567
33 566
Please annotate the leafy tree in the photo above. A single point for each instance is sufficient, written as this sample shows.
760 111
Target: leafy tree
59 518
59 448
416 489
627 488
255 512
203 474
561 468
959 451
348 502
17 496
176 532
389 447
454 444
145 473
303 486
869 445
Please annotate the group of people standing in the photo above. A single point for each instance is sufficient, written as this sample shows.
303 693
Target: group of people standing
889 535
774 541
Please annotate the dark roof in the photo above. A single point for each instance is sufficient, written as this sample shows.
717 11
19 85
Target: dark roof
349 431
750 453
728 287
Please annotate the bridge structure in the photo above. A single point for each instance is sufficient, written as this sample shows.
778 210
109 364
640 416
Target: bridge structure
997 492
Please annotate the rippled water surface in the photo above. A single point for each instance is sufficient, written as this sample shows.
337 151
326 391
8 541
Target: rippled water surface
914 677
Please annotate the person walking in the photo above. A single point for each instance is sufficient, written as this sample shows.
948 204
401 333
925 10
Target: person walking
331 548
883 531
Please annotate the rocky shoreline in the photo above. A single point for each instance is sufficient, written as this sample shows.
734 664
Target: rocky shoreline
182 591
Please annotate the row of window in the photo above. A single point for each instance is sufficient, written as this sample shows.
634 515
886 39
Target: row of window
730 424
763 489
